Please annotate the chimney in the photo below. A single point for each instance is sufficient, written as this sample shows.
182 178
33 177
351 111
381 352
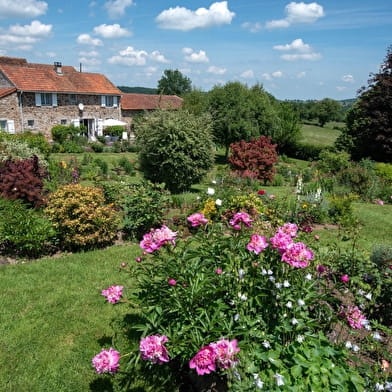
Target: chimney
57 68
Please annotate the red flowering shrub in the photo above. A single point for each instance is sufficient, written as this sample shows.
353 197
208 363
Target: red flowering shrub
23 180
254 159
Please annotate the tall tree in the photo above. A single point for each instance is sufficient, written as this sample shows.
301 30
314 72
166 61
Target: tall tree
173 82
327 110
369 122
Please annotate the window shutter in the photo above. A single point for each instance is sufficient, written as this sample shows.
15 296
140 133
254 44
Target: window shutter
54 99
103 100
11 126
115 100
100 127
37 99
76 123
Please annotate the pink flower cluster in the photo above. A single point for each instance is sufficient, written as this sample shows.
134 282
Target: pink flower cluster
152 349
354 316
257 243
113 293
197 219
240 217
107 361
220 354
156 238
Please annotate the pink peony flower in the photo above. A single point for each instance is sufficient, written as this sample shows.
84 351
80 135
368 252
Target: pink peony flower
225 352
240 217
204 361
197 219
106 361
152 349
281 241
297 254
344 278
380 202
289 228
156 238
354 316
113 293
218 271
172 282
257 243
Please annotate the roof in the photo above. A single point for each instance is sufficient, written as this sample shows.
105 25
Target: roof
44 78
6 91
150 102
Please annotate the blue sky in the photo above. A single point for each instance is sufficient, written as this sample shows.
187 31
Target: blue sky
296 49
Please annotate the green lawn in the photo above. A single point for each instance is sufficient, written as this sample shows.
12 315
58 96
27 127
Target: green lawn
321 136
54 320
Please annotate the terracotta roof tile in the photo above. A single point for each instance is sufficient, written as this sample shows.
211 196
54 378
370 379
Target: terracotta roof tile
150 102
43 77
6 91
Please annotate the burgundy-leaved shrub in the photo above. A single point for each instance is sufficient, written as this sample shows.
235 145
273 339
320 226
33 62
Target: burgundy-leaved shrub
254 159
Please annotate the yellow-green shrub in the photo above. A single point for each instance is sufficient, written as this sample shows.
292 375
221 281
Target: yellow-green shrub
81 217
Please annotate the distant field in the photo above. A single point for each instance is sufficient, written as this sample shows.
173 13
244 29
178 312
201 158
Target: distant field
323 136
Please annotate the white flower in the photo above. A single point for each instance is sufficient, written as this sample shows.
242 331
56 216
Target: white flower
289 304
210 191
259 384
361 292
301 302
236 317
377 336
213 182
286 283
266 344
368 296
348 344
243 297
308 276
278 285
269 272
379 387
271 278
294 321
279 379
355 348
263 271
241 273
218 202
300 338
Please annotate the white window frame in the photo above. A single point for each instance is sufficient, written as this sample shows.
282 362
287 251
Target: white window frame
45 99
110 101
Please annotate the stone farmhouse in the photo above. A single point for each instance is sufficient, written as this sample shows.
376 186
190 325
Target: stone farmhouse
36 97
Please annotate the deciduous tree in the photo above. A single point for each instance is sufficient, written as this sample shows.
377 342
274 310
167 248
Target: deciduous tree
173 82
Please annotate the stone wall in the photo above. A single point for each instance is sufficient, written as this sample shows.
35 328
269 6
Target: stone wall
9 110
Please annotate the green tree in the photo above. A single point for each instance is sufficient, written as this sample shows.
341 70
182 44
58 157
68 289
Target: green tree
173 82
196 101
327 110
369 122
176 147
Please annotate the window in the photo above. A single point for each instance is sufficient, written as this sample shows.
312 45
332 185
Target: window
109 101
3 125
63 121
30 123
72 99
45 99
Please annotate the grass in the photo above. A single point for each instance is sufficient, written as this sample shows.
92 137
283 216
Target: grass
54 320
321 136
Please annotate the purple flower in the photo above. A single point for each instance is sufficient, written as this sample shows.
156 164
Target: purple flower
152 349
218 271
281 241
106 361
257 243
240 217
354 316
225 352
197 219
289 228
344 278
113 293
172 282
156 238
204 361
297 255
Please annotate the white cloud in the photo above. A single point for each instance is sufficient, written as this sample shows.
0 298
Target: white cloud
51 54
111 31
129 56
22 8
341 88
150 71
297 13
248 74
301 75
277 74
266 76
86 39
24 37
273 75
193 57
89 61
36 29
252 27
216 70
297 45
301 51
158 57
348 78
301 56
91 53
180 18
116 8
